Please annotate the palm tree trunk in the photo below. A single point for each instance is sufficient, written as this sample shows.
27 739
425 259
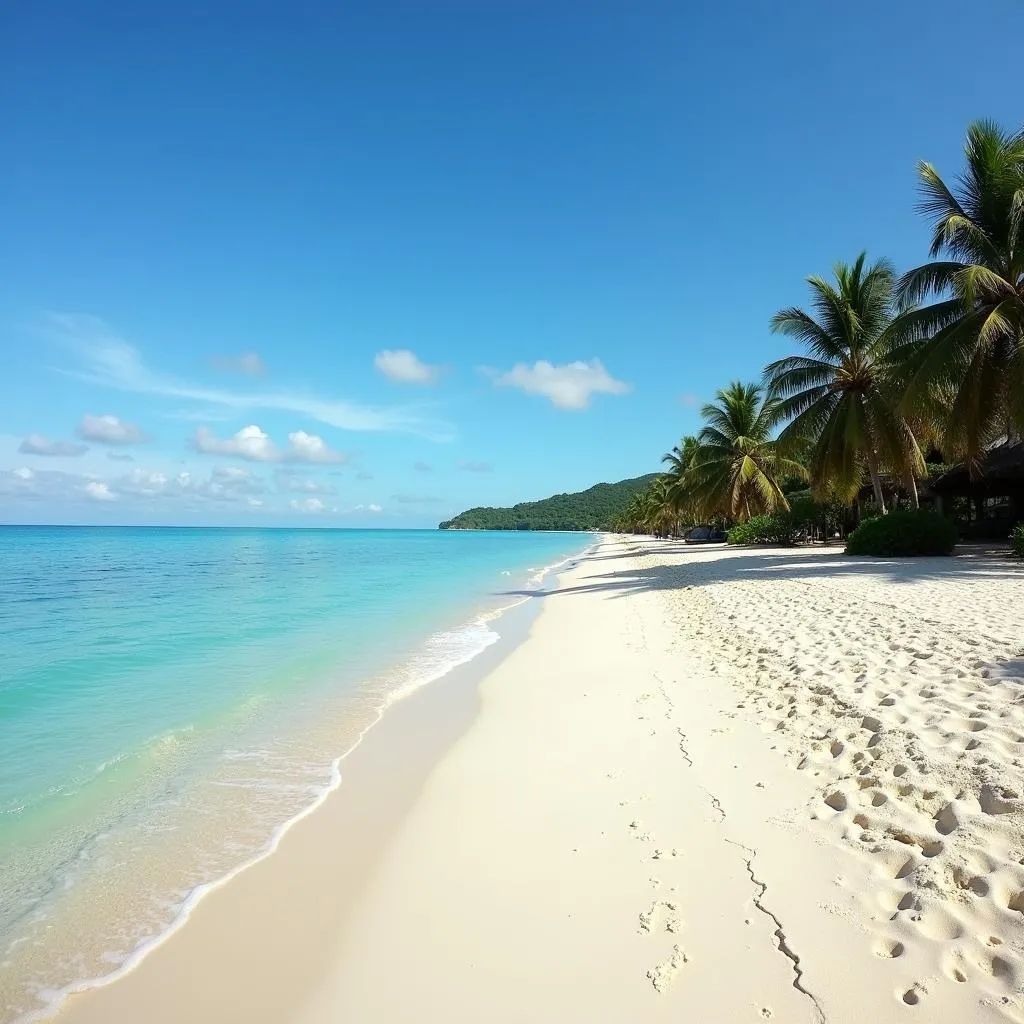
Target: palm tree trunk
911 483
876 481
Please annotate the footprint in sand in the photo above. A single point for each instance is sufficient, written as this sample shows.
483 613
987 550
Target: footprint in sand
663 974
662 914
912 996
888 949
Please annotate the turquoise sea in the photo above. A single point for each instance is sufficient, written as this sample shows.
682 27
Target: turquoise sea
171 698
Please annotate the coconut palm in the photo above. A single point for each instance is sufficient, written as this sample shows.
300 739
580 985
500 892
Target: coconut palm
660 509
679 461
967 347
629 520
838 399
736 468
651 511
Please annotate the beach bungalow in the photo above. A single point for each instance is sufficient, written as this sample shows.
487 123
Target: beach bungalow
987 503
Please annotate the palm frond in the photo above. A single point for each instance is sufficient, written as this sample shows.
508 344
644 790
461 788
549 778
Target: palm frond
795 323
931 279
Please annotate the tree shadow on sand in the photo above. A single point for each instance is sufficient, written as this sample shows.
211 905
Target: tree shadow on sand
770 565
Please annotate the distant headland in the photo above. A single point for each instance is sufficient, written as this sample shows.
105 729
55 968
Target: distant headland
593 509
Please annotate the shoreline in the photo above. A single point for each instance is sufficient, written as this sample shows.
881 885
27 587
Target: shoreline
461 675
709 785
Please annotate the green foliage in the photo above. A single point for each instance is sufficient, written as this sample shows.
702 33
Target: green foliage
774 528
736 468
904 532
827 518
1017 540
680 497
881 380
593 509
837 400
729 471
787 526
962 357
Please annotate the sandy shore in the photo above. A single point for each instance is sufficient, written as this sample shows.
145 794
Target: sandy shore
711 786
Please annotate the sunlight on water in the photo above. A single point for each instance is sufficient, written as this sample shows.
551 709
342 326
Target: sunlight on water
169 699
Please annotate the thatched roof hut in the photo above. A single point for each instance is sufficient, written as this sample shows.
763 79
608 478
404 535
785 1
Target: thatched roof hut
989 500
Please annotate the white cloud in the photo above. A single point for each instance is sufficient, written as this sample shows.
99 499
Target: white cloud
254 444
120 456
109 430
474 467
249 443
36 444
373 508
23 482
567 387
305 447
99 491
114 363
224 484
405 367
248 362
312 506
229 483
303 485
144 482
232 473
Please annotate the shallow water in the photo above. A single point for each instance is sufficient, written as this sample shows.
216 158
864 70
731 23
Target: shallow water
171 698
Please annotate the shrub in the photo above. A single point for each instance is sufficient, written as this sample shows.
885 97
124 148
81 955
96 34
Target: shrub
777 528
805 515
1017 540
904 532
825 517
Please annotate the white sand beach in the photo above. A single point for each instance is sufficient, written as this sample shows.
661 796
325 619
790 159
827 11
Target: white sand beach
712 785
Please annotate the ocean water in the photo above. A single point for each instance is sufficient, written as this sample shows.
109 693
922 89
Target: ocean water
171 698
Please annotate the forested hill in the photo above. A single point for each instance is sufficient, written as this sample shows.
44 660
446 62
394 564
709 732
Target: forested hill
593 509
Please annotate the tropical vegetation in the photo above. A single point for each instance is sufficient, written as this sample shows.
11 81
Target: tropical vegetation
736 467
917 531
805 519
1017 540
892 375
837 400
594 509
962 357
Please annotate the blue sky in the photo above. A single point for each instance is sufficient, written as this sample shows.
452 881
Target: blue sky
371 264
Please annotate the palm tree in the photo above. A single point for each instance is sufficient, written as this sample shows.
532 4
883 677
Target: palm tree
629 521
650 511
839 398
680 457
660 511
967 347
679 483
736 469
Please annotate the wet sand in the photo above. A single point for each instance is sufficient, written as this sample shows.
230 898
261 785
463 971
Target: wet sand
712 784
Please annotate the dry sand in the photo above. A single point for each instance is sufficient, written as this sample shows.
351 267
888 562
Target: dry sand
711 786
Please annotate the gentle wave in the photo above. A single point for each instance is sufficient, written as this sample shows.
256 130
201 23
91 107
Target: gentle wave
440 654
